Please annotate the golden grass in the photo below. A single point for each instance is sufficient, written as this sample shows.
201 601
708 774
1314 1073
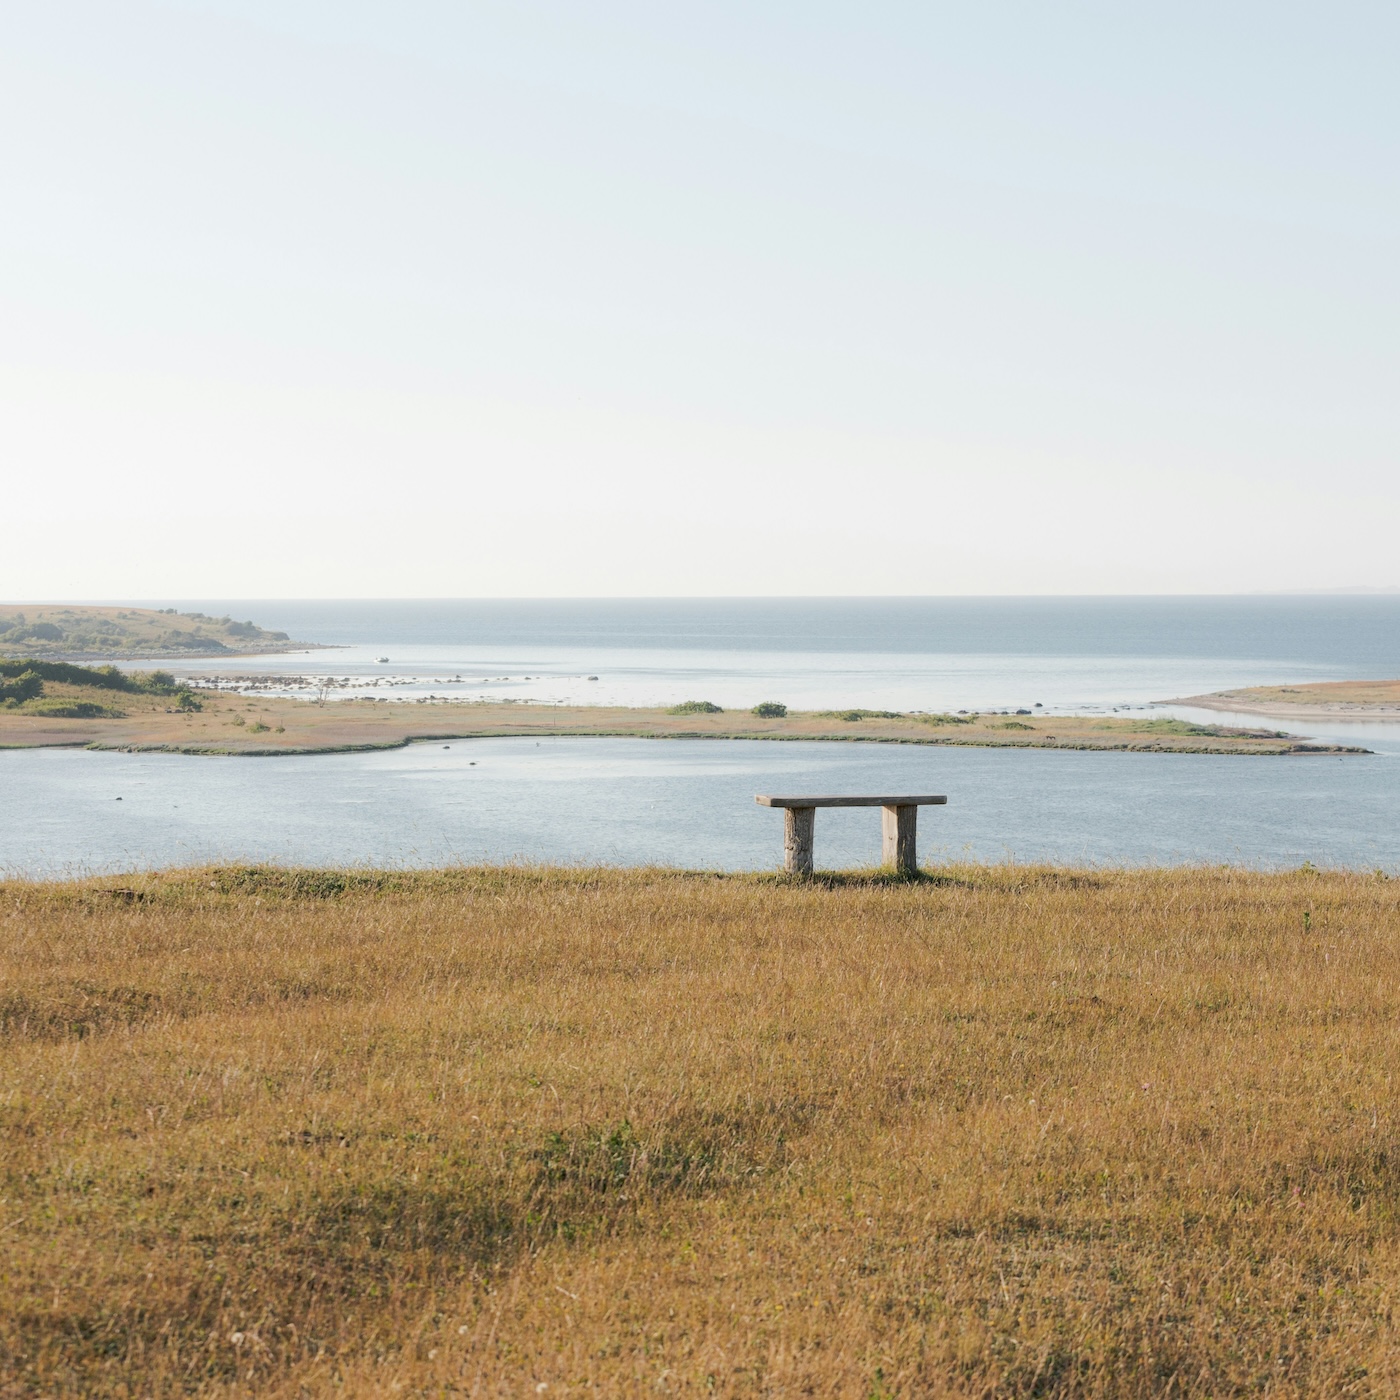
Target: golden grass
1007 1131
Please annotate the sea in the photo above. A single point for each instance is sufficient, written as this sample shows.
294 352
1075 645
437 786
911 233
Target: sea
690 803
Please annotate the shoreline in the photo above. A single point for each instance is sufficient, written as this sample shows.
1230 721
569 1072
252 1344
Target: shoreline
1300 749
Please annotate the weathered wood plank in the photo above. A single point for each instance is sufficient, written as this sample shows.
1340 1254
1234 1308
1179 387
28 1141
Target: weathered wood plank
899 801
899 825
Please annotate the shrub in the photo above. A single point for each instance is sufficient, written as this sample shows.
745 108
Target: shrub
71 709
157 682
103 677
21 631
695 707
27 686
187 701
770 709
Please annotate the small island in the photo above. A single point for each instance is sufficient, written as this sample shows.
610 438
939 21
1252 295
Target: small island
73 632
47 704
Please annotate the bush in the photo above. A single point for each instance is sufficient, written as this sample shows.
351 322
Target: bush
103 677
695 707
156 682
770 709
21 631
187 702
27 686
71 709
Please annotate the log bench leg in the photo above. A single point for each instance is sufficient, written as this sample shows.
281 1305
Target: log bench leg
797 839
899 825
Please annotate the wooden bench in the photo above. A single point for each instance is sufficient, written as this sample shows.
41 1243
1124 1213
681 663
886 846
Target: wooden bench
898 821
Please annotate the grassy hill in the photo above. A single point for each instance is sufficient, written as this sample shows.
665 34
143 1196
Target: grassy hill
86 633
1002 1131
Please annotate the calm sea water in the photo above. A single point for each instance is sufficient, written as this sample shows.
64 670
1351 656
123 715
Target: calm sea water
686 803
691 803
890 653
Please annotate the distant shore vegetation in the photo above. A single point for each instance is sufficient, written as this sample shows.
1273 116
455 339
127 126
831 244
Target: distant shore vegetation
79 632
22 688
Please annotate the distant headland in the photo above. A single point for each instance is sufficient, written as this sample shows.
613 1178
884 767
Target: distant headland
75 632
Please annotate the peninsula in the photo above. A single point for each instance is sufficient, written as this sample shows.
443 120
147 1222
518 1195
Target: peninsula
1323 700
47 704
73 632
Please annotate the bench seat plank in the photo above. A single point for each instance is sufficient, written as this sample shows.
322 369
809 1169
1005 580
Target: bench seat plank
766 801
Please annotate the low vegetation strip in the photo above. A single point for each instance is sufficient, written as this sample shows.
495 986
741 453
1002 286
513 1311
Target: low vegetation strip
26 688
996 1131
156 713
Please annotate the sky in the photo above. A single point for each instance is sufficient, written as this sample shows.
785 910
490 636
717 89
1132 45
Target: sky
438 298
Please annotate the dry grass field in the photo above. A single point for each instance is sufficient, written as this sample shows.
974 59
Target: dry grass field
1001 1131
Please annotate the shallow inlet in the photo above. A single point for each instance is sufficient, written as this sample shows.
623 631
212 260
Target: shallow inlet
686 803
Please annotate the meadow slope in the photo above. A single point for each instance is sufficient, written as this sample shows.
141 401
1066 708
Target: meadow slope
1002 1131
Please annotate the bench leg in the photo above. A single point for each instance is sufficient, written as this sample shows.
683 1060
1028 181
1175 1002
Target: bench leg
899 825
797 839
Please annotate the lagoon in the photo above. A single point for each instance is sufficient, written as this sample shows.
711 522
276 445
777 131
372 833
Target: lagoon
686 803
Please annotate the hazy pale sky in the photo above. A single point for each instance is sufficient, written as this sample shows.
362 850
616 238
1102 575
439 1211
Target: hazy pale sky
450 298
